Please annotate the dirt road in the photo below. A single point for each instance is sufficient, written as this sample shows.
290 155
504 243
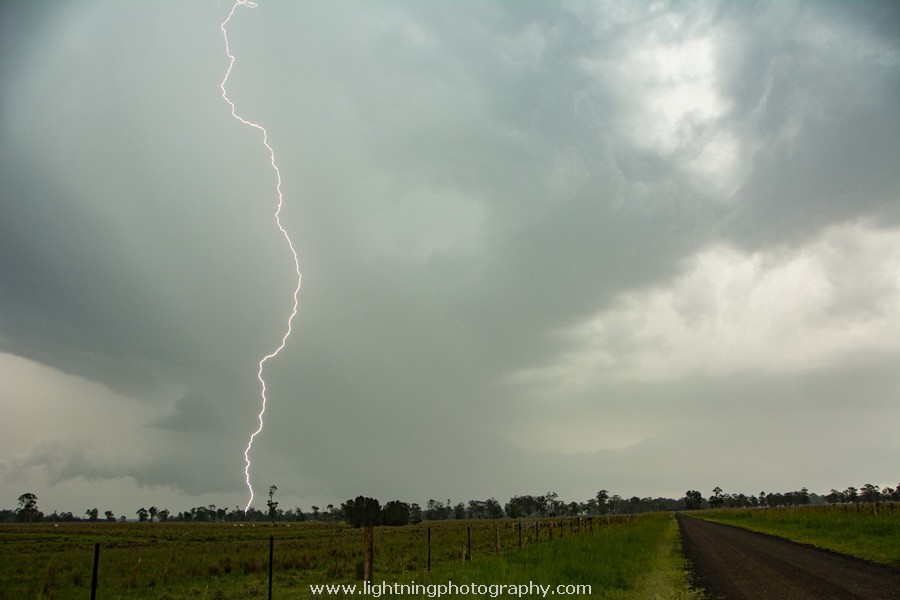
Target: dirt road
735 564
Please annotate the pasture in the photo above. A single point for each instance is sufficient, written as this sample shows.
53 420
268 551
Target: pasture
868 531
619 558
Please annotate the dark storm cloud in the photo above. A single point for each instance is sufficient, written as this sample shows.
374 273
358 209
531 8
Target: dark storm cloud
475 192
818 88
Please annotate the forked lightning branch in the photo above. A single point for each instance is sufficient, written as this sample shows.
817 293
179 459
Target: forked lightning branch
277 214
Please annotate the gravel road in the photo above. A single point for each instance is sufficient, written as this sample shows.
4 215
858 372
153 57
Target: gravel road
735 564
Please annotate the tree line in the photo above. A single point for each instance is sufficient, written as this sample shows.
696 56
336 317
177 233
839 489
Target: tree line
364 510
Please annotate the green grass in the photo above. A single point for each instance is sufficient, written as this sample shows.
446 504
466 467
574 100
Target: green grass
857 530
639 558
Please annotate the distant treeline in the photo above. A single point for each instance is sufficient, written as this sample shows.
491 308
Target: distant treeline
363 510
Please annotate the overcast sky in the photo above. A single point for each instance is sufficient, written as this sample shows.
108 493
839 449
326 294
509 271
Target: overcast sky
645 247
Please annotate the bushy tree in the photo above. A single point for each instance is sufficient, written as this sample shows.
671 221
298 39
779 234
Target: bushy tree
395 513
693 500
436 510
493 508
870 493
602 502
362 511
522 506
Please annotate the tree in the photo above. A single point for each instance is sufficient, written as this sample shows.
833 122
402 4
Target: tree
92 514
476 510
142 514
163 515
395 513
271 503
362 511
435 510
415 513
870 493
602 502
315 511
28 510
615 504
553 505
693 500
522 506
152 512
493 508
716 500
110 516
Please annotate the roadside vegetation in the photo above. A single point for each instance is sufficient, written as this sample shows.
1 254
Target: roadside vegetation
868 531
636 559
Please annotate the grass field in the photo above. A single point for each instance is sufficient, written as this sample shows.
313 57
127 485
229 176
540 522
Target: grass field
639 558
863 531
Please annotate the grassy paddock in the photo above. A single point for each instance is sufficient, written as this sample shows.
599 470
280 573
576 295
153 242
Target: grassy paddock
638 559
865 531
634 559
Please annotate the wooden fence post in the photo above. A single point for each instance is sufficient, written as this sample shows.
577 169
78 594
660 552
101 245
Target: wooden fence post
94 575
468 542
520 535
496 538
368 552
271 562
429 548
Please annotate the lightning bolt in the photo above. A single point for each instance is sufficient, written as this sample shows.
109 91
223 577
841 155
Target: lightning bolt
290 320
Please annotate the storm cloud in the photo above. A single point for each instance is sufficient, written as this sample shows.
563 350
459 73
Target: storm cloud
545 245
